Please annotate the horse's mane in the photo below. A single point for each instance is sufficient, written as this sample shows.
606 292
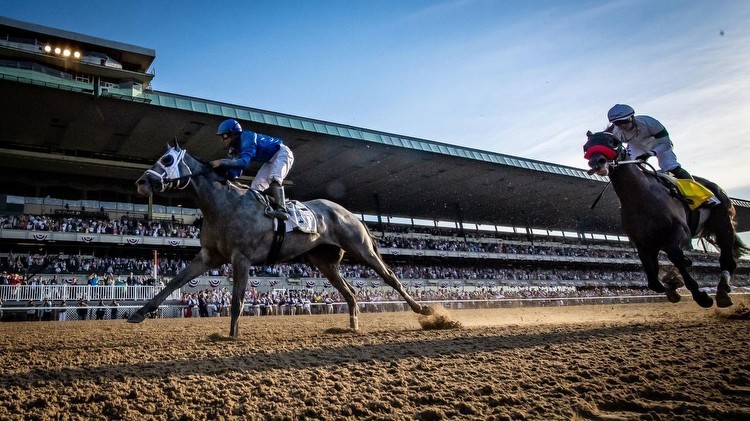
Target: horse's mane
219 174
207 165
201 161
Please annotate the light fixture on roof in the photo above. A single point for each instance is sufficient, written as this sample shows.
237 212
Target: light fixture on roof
65 52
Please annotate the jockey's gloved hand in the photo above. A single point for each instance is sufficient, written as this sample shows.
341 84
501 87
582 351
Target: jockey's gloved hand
644 157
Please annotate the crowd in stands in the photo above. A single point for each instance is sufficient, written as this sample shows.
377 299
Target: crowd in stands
138 270
124 226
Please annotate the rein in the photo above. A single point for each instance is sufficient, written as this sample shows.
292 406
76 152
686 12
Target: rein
615 163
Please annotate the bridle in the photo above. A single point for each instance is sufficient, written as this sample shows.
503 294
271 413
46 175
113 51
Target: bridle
616 161
619 155
171 177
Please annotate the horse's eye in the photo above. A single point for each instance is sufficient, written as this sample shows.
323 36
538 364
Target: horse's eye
167 160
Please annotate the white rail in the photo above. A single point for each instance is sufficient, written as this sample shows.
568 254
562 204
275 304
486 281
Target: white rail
75 292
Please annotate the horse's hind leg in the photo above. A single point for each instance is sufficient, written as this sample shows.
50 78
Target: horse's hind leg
672 280
725 241
367 255
376 262
723 289
326 259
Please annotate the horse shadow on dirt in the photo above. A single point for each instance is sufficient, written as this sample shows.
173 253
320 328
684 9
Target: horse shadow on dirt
475 342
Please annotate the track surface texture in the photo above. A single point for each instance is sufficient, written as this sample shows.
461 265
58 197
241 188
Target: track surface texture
609 362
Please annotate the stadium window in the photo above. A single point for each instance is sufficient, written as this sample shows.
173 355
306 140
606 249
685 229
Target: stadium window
424 222
446 224
399 220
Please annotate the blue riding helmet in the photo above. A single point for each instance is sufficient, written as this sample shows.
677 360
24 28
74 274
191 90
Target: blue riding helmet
229 126
620 112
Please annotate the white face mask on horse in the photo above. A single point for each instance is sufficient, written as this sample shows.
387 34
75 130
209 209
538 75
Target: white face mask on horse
170 163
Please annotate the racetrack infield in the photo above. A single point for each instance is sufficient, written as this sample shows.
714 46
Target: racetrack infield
632 361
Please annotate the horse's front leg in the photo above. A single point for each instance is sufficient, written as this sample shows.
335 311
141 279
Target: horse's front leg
650 261
677 257
200 264
240 269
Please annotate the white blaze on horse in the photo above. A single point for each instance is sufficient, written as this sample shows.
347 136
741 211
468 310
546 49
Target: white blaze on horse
655 218
236 230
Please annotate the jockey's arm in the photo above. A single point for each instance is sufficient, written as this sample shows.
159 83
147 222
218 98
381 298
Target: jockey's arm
662 142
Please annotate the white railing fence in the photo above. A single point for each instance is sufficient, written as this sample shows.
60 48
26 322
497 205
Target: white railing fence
75 292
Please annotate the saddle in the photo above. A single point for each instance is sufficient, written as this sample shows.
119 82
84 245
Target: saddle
694 196
300 216
690 192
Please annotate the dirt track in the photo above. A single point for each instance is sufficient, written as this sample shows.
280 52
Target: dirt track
638 361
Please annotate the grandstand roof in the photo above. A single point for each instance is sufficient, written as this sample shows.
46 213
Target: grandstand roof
57 133
109 141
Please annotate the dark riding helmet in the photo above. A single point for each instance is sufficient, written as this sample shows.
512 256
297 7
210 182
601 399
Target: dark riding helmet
229 126
620 112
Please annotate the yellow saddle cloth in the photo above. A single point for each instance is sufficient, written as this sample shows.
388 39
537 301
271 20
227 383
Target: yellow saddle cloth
694 191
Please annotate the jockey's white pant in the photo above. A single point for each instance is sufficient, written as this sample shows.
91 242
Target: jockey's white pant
275 169
667 159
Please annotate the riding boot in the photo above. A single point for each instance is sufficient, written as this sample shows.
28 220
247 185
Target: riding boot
277 191
680 172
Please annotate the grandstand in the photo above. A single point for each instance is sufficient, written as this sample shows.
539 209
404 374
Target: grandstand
78 132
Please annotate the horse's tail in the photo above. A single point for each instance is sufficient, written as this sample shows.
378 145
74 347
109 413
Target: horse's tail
373 240
739 248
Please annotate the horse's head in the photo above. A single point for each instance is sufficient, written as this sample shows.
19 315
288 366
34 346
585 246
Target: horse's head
601 149
169 172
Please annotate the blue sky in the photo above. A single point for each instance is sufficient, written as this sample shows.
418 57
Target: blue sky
524 78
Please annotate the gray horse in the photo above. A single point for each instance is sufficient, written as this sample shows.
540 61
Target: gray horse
235 230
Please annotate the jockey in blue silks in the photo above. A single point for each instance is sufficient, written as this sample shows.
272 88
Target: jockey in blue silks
246 146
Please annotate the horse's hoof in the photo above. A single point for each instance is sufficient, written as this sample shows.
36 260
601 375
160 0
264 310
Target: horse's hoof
136 318
427 311
703 299
723 300
657 287
673 296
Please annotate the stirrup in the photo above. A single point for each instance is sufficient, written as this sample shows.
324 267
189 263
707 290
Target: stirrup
276 213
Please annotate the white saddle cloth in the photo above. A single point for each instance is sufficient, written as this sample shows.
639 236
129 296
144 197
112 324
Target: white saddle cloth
300 217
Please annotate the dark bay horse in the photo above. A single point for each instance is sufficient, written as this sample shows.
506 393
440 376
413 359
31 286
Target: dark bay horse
235 230
656 220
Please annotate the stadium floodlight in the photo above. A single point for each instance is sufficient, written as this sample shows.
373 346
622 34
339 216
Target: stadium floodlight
64 52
